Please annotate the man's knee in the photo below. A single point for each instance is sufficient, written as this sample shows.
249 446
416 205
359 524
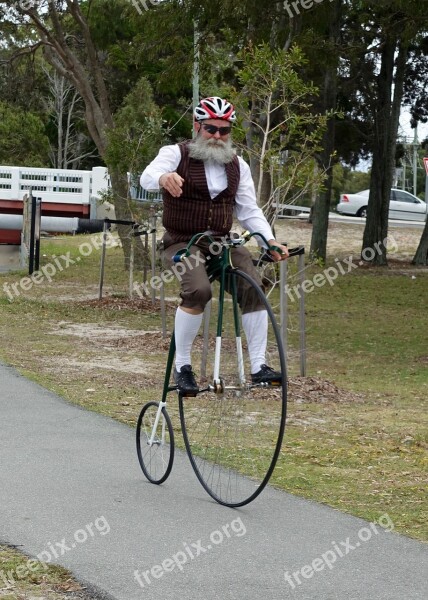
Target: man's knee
250 302
198 298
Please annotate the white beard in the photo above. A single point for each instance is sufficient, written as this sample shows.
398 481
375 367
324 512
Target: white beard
212 149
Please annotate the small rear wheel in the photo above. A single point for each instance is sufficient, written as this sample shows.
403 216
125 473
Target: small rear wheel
155 449
362 212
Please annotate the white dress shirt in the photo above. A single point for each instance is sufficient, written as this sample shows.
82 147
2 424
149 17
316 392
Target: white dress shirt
248 213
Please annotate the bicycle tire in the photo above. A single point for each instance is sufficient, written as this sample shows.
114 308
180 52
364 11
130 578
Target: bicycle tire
232 461
155 460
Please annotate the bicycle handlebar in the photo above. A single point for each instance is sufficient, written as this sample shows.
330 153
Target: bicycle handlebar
239 241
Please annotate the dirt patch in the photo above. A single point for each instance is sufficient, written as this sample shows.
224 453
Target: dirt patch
313 389
92 330
150 342
346 239
134 305
110 363
107 337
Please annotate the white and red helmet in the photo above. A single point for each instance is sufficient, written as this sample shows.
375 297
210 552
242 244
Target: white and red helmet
214 108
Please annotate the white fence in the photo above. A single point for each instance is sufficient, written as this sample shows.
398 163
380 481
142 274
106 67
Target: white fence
65 186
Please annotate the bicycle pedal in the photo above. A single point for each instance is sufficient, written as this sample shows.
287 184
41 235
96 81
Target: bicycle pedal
187 395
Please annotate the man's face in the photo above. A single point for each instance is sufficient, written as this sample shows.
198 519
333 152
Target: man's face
213 141
214 129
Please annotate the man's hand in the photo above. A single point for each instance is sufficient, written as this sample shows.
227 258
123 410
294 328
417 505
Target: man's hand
283 251
172 183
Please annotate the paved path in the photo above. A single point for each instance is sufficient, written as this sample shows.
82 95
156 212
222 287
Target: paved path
70 485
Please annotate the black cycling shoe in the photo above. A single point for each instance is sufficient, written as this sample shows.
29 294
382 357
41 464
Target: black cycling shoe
185 380
267 375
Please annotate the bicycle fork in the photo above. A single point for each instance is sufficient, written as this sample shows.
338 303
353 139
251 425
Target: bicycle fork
162 403
151 440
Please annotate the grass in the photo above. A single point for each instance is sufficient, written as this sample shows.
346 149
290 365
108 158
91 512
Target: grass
23 578
360 447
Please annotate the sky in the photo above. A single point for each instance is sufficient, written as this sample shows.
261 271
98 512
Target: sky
406 130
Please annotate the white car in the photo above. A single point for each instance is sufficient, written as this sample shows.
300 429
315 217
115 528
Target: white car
403 205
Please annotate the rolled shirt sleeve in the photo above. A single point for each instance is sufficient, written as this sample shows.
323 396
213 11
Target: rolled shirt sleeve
248 213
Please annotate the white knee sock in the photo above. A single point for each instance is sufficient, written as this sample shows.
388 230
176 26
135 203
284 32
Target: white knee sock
255 325
186 329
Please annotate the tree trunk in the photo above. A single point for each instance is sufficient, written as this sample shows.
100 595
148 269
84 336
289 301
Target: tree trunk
421 256
320 211
120 190
321 207
386 121
87 78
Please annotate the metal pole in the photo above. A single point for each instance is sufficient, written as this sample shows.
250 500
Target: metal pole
283 300
302 317
153 226
131 267
415 162
207 317
163 309
146 256
38 218
103 258
32 233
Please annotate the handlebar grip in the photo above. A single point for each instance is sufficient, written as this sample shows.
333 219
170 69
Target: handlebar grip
275 249
180 255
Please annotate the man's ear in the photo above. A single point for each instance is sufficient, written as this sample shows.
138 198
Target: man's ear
197 126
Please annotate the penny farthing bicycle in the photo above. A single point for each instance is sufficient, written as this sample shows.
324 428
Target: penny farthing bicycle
233 428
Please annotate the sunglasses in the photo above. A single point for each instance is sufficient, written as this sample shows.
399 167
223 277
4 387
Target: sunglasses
212 129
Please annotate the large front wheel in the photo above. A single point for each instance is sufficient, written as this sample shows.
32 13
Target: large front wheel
155 446
233 435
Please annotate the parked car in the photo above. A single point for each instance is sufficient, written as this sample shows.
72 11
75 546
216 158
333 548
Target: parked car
403 205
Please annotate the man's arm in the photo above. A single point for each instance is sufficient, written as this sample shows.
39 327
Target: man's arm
165 163
250 215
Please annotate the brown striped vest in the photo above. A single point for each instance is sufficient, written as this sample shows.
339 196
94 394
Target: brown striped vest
194 211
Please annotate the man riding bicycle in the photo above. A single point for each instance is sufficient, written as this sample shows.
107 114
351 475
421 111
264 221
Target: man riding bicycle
204 184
